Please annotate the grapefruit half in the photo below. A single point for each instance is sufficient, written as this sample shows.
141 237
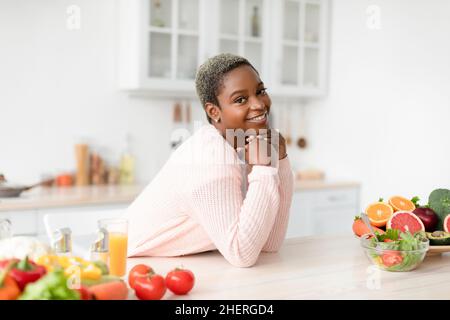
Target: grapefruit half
405 221
447 223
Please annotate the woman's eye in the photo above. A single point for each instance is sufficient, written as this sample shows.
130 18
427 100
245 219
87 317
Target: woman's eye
241 100
262 91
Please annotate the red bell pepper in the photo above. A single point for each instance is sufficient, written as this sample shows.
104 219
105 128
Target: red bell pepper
26 271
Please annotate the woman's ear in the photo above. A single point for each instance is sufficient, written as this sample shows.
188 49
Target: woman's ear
213 111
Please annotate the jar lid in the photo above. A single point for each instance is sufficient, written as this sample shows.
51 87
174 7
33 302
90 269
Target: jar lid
101 244
62 240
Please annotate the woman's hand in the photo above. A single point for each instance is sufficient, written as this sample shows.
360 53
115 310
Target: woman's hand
259 149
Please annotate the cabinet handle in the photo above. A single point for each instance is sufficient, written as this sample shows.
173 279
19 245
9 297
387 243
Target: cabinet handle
336 198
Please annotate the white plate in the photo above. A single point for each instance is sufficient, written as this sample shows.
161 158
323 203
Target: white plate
438 249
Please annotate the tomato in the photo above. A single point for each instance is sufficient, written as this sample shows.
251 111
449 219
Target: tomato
391 258
151 287
85 293
180 281
140 270
388 240
64 180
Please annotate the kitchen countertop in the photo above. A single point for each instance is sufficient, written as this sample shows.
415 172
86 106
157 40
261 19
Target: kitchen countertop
39 198
71 196
301 185
308 268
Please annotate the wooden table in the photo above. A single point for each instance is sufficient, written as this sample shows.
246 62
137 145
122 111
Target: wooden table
308 268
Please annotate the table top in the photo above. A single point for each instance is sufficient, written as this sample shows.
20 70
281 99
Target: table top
315 267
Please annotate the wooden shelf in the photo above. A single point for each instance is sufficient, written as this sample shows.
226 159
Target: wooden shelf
291 43
186 32
160 30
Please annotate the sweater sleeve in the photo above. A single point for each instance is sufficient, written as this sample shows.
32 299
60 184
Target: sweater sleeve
286 186
238 227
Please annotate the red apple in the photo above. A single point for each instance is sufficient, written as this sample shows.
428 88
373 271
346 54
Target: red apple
428 217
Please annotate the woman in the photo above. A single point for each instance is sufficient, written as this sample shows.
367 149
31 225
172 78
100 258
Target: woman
205 197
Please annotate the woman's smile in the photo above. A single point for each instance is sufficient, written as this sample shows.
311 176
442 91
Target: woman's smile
259 119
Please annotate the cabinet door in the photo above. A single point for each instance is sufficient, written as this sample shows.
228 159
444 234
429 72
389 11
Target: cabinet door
322 212
334 210
160 45
300 44
300 222
22 222
82 220
336 220
243 31
173 38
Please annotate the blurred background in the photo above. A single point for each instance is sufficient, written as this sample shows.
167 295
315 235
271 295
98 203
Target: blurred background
360 88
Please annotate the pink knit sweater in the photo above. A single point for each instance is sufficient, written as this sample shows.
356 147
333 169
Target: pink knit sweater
204 198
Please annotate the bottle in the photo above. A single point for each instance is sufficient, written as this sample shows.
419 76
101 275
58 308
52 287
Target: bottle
82 158
255 22
126 168
100 247
62 242
157 20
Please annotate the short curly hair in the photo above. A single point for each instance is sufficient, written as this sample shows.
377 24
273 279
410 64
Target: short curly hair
210 75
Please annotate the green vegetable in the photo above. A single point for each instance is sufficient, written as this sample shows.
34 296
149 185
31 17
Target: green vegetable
391 234
416 200
404 242
52 286
439 238
102 266
439 202
103 279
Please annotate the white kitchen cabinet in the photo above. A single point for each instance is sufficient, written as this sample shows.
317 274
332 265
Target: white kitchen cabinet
323 211
243 28
80 219
299 48
22 222
162 43
31 223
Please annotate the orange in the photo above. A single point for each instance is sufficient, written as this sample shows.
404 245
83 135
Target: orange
401 204
379 213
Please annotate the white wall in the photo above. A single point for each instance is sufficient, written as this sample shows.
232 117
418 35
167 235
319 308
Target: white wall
57 85
386 119
384 122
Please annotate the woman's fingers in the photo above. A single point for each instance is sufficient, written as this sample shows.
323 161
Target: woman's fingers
258 151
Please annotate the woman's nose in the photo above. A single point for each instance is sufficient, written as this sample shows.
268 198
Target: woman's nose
257 104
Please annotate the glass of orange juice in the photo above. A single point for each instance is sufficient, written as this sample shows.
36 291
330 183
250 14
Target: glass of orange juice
118 244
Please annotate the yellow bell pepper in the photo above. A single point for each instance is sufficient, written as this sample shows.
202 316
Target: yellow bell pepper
91 271
48 261
71 265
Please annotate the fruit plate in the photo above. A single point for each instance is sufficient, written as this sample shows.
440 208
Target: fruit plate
438 249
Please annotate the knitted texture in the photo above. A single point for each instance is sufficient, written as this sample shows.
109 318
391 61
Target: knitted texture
196 203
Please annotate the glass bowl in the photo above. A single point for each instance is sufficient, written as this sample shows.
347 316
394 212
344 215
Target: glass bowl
384 257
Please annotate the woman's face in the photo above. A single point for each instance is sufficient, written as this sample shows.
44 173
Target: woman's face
244 103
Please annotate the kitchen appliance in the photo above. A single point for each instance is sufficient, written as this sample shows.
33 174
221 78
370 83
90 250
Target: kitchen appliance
10 190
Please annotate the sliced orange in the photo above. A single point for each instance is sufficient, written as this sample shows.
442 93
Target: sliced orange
379 213
401 204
